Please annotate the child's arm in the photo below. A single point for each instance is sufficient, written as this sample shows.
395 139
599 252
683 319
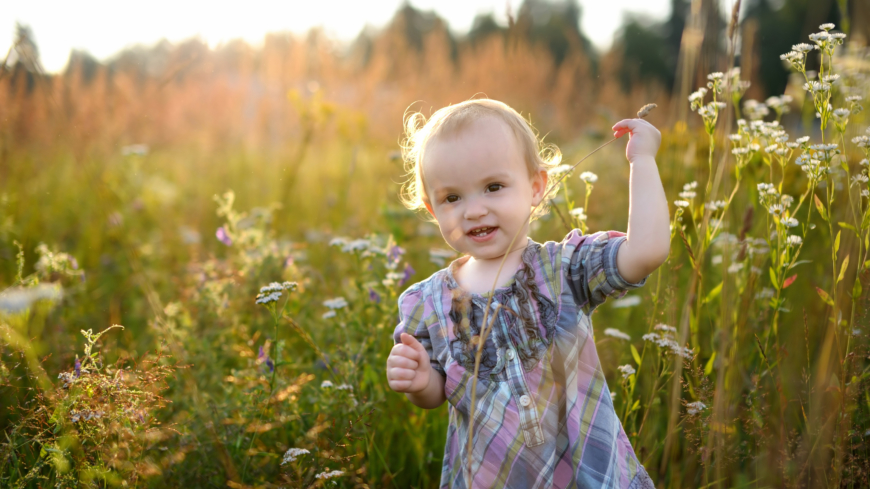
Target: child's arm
648 239
409 371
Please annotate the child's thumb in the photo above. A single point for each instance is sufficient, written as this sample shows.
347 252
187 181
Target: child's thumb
412 342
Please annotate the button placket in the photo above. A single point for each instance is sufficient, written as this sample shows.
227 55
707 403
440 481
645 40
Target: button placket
529 421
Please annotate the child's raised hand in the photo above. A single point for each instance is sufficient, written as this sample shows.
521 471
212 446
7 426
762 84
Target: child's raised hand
408 366
644 139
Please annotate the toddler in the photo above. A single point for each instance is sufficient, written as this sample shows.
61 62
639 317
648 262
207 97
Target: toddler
543 415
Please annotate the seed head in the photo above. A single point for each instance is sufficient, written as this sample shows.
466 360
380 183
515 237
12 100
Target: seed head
645 110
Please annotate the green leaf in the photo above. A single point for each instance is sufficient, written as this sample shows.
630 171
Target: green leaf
825 297
799 262
865 222
773 278
714 293
857 289
708 368
635 355
846 225
820 207
837 242
635 406
843 269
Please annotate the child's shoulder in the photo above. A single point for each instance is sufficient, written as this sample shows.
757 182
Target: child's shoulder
576 239
426 288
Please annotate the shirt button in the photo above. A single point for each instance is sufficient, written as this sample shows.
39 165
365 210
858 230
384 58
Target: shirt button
525 400
511 354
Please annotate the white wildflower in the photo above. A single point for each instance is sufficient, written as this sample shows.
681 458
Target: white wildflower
629 301
579 213
735 267
790 222
292 454
665 328
588 177
687 194
267 298
794 240
615 333
329 475
558 171
325 384
336 303
328 314
681 203
776 209
627 371
694 408
827 26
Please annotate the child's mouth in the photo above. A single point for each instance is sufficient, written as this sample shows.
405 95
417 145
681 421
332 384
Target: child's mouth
483 233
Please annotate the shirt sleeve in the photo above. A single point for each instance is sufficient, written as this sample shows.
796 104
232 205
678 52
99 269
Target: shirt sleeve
416 319
592 273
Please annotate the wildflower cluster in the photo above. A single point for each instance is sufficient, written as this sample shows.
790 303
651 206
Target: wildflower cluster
709 111
663 337
272 292
820 89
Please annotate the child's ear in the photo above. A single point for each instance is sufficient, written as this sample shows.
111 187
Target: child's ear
539 186
429 208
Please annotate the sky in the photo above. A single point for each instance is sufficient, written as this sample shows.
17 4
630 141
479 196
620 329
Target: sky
103 28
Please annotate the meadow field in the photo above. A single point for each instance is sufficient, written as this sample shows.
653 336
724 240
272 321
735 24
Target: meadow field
201 252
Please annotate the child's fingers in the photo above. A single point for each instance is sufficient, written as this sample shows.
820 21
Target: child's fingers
400 385
402 362
404 351
624 126
401 374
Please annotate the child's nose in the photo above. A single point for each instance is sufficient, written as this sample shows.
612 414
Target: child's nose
475 209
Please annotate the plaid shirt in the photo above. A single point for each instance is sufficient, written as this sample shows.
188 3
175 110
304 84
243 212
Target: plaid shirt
543 415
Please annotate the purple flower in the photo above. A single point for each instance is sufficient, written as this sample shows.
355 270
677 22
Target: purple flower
78 367
374 296
263 358
395 253
408 272
223 237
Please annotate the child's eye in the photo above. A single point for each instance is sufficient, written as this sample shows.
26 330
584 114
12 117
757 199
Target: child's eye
452 198
494 187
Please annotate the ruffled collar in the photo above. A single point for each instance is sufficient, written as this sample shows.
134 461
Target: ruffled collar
450 275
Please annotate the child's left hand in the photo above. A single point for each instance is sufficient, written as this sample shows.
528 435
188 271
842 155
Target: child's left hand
644 138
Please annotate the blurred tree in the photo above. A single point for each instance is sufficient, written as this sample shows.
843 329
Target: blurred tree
651 50
483 26
780 25
83 62
22 60
556 24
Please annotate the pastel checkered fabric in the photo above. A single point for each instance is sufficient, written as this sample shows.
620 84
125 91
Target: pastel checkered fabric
543 415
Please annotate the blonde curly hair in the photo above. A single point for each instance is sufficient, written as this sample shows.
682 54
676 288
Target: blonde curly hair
448 120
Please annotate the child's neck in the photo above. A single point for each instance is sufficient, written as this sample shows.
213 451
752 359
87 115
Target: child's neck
477 275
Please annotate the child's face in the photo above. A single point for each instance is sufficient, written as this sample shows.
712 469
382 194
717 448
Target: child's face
479 190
